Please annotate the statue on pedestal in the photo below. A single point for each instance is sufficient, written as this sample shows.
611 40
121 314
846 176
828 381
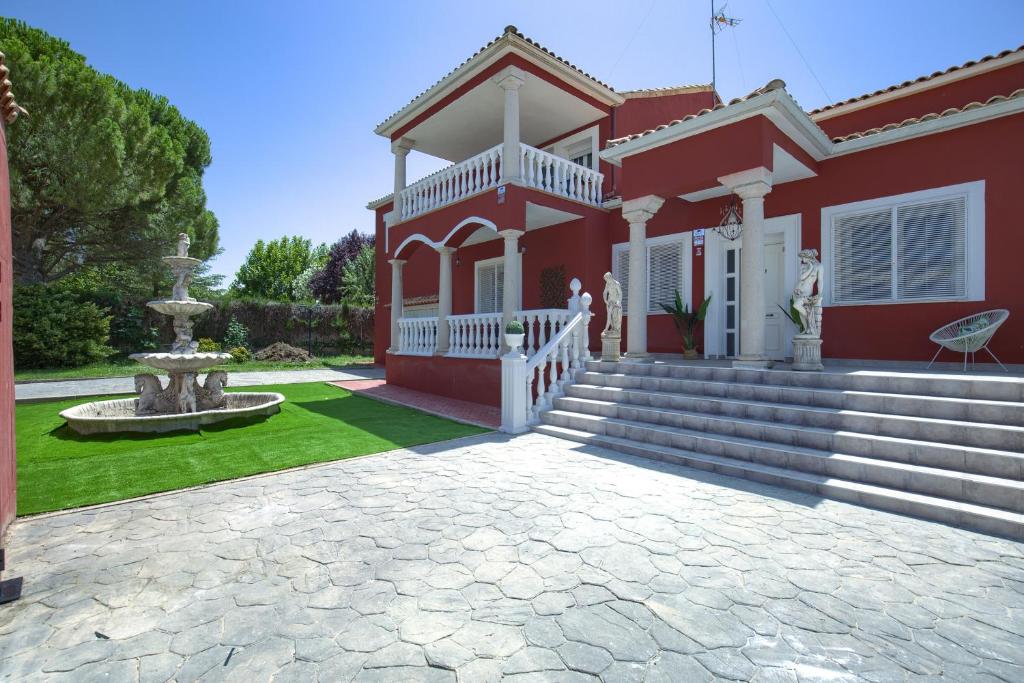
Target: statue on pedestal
807 305
611 337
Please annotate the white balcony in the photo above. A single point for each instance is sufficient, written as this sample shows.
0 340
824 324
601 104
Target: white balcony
539 170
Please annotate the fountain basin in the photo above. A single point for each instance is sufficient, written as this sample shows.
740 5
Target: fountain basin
178 307
181 362
118 415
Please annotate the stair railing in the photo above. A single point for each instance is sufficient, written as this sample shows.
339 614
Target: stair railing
529 386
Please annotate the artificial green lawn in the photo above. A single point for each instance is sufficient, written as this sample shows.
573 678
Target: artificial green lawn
122 366
58 469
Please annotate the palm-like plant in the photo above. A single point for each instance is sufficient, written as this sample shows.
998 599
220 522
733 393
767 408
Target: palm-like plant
685 320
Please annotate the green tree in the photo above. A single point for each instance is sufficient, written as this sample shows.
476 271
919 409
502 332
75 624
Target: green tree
100 173
357 279
271 269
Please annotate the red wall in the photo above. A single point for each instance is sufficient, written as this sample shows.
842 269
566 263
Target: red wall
7 466
638 114
974 89
467 379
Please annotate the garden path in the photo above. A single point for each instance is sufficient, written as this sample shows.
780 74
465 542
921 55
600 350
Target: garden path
526 558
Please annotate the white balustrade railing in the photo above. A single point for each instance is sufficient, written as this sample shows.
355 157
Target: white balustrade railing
539 169
451 184
477 335
417 336
529 385
559 176
540 325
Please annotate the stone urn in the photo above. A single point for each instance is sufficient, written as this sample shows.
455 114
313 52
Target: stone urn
807 353
514 340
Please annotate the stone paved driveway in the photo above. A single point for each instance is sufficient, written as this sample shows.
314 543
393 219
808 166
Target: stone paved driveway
530 559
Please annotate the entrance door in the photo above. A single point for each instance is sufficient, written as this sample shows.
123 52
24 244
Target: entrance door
774 296
722 282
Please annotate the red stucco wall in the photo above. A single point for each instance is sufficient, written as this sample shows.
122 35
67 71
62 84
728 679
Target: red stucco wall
7 472
467 379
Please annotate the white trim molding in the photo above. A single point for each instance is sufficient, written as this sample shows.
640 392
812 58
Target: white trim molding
974 240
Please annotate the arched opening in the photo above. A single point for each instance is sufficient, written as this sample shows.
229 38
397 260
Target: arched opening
470 227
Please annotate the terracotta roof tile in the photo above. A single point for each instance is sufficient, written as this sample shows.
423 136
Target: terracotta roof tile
1016 94
667 90
775 84
509 31
921 79
9 108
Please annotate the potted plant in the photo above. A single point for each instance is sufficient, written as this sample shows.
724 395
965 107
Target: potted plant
793 315
514 333
687 322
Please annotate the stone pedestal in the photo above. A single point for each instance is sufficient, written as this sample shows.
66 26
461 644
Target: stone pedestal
807 353
611 347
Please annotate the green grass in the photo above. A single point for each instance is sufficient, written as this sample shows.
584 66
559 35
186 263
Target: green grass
126 367
59 469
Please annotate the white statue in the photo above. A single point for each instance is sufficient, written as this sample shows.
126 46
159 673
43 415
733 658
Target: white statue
183 243
187 393
613 304
806 303
211 395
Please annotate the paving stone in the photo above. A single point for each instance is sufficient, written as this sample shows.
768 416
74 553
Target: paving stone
585 658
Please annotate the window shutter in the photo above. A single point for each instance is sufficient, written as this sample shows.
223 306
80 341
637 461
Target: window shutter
490 288
932 249
862 257
621 273
666 275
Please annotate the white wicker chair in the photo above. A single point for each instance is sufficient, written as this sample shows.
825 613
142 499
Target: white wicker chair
969 335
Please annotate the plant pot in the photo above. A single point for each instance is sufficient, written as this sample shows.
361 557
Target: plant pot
690 353
514 341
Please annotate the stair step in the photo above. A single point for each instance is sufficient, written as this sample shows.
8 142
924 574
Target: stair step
982 435
962 409
953 485
991 388
985 519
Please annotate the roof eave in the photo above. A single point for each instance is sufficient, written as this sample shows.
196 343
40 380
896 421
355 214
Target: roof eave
508 43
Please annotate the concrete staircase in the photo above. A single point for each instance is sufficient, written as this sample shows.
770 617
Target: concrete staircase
941 447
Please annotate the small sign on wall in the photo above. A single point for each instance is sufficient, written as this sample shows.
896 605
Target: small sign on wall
501 194
698 242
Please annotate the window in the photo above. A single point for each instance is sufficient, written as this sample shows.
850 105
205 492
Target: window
923 246
668 269
490 285
580 148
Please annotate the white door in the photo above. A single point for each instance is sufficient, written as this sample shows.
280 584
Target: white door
721 281
774 296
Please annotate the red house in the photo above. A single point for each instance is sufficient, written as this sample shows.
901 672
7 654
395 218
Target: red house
906 193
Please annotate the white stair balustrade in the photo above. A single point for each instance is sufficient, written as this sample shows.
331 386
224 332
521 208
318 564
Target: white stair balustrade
540 325
449 185
476 335
417 336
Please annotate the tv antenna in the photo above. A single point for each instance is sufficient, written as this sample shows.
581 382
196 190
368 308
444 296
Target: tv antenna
719 22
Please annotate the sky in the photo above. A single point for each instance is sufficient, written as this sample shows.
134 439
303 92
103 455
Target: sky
290 92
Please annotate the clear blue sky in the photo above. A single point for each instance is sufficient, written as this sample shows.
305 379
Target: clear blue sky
290 91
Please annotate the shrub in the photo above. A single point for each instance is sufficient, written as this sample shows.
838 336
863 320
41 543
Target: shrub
554 292
240 354
207 345
53 328
129 331
237 334
514 327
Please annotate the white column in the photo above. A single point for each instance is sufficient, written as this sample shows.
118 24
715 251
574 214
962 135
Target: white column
400 148
510 285
510 79
637 212
444 298
751 186
396 301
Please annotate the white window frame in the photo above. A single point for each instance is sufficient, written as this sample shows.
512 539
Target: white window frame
974 197
490 262
562 147
686 277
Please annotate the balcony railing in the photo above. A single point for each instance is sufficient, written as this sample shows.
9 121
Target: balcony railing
539 170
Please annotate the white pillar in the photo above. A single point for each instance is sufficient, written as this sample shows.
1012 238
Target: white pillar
637 212
396 301
510 285
751 186
510 79
444 298
400 148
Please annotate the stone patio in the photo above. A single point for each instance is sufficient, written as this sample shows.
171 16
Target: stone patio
527 558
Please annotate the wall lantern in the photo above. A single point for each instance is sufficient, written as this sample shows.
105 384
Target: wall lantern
731 226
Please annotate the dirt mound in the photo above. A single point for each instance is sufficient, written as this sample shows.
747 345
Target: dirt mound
279 351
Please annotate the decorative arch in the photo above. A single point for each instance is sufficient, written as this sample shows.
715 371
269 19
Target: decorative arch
464 229
411 243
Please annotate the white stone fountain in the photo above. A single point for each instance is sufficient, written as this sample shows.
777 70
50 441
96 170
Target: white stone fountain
183 403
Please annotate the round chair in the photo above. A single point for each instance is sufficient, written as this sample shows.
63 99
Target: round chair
969 335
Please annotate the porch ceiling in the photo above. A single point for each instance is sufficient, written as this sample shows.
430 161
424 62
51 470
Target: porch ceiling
537 216
473 122
786 168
